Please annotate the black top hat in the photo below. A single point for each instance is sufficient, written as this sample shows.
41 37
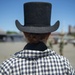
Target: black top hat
37 17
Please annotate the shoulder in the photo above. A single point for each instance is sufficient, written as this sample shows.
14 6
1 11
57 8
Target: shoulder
61 59
64 62
6 66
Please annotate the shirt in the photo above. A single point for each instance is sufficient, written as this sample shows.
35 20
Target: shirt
40 62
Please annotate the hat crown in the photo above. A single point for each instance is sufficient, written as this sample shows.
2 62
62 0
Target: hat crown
37 14
37 18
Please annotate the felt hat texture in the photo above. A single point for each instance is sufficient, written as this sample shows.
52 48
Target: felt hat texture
37 18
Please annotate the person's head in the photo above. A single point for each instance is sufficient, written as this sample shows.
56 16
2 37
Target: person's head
35 38
37 17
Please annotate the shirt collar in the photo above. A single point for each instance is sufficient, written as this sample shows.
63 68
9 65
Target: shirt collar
33 54
40 46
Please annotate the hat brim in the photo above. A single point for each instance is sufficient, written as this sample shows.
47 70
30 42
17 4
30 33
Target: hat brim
31 29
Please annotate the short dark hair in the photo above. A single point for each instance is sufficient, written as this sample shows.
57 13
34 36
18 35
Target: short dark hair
35 37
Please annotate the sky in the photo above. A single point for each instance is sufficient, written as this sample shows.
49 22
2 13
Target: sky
11 10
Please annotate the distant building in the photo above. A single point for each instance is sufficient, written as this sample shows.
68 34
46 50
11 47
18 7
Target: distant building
2 32
2 35
71 29
15 37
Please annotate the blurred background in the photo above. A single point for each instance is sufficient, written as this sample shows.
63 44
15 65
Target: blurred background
62 41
